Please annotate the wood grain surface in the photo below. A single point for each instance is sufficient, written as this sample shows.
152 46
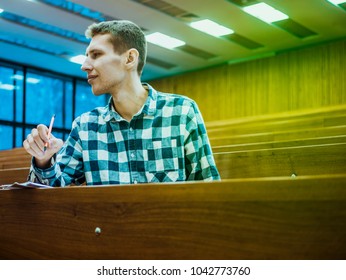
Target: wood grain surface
260 218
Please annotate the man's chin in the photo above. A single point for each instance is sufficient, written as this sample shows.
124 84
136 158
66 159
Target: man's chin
98 93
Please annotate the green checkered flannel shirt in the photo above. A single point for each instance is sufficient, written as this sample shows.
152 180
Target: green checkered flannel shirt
166 141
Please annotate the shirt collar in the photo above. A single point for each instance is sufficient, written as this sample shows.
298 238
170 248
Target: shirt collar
149 107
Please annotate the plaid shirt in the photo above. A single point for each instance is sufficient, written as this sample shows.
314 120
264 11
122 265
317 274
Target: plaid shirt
166 141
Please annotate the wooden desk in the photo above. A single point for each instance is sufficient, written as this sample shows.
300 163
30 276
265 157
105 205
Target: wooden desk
9 176
263 218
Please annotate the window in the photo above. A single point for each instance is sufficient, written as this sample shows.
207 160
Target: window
86 100
7 92
30 97
6 136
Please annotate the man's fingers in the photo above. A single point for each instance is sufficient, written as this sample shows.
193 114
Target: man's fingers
36 141
27 147
43 132
55 144
36 148
37 138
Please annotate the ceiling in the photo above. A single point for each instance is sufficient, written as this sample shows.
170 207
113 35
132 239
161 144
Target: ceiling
23 41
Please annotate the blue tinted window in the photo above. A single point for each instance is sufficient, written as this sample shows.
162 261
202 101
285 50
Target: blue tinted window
68 104
44 96
19 138
86 100
6 136
19 81
7 89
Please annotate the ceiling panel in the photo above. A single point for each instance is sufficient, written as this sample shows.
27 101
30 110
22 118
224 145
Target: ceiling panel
252 38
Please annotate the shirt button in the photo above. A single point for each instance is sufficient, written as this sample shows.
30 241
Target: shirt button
132 155
135 182
131 129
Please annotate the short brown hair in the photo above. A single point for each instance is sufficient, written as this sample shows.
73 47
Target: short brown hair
125 35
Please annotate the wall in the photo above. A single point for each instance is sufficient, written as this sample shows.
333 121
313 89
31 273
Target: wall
299 79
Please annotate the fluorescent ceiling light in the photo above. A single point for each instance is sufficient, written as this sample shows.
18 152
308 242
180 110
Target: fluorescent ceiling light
163 40
79 59
28 80
17 77
336 2
7 87
32 80
211 27
265 12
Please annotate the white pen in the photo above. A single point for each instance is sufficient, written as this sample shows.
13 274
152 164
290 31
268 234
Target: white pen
49 132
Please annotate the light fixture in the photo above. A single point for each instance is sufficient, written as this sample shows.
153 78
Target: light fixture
29 80
210 27
1 10
32 80
265 12
163 40
337 2
7 87
17 77
79 59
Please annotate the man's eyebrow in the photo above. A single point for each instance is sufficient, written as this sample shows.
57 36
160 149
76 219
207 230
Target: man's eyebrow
92 51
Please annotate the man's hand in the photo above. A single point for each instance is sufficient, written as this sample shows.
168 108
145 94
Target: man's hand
35 142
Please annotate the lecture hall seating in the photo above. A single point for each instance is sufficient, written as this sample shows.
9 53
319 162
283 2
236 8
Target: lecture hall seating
243 219
282 197
308 142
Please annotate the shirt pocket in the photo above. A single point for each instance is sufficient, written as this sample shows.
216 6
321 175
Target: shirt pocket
162 156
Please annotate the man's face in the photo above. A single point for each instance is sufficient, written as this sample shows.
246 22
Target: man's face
105 68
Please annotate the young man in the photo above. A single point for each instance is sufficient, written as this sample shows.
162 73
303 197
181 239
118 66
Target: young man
141 136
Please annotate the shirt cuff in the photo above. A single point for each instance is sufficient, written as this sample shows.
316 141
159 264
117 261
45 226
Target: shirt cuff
44 173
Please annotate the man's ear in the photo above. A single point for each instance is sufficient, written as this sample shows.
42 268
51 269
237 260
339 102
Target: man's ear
132 58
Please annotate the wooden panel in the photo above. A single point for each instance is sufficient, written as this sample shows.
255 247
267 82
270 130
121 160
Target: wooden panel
270 218
9 176
272 146
321 117
14 158
308 78
299 160
277 136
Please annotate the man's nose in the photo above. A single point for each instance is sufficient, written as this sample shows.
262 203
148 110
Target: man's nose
86 66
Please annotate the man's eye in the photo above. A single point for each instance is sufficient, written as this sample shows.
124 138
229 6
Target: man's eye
95 55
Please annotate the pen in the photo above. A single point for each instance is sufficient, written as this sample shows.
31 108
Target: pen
49 132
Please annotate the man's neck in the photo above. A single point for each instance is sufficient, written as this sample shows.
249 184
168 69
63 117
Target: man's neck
129 100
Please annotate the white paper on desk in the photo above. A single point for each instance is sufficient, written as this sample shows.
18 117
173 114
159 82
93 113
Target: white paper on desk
26 185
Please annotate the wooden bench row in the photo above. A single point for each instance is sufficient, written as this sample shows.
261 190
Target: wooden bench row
14 158
283 161
285 126
318 141
15 151
325 116
11 175
272 127
264 159
248 219
305 143
256 147
15 161
277 161
24 160
14 166
279 135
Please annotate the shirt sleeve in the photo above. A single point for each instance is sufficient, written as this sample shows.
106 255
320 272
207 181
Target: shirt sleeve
66 166
199 160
